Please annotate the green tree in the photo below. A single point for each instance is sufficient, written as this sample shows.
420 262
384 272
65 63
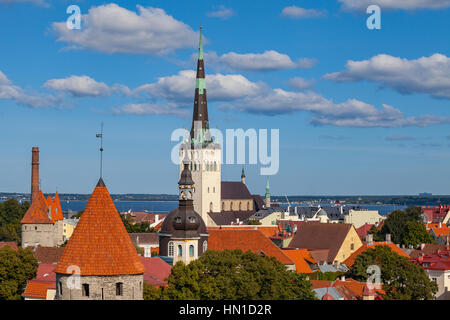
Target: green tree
397 225
142 227
152 292
254 222
415 233
233 274
401 279
11 212
16 267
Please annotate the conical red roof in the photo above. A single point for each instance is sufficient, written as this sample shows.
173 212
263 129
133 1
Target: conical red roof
100 244
38 211
57 213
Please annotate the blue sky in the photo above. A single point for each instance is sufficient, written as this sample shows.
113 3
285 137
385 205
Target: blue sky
359 111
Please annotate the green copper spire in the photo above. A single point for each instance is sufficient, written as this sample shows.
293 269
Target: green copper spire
267 190
200 46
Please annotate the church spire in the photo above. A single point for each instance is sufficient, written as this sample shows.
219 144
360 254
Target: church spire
200 124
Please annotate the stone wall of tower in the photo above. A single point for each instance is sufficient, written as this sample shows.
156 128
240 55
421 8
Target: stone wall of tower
100 287
206 173
43 234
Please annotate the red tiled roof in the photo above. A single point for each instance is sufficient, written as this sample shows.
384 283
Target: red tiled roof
246 240
12 244
301 257
363 230
100 245
58 214
428 248
38 289
38 211
48 255
351 284
156 271
351 260
440 231
234 190
46 272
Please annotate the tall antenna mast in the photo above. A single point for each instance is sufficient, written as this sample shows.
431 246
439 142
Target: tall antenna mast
100 135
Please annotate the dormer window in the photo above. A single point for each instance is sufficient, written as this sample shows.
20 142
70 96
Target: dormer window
192 219
178 220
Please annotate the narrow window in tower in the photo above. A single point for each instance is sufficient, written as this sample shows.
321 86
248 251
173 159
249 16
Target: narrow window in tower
60 288
180 251
205 245
85 290
191 250
119 289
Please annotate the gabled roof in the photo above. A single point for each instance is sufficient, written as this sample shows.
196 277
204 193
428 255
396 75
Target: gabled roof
38 211
246 240
302 258
428 248
315 235
234 190
440 231
351 260
48 255
144 238
258 201
100 245
363 230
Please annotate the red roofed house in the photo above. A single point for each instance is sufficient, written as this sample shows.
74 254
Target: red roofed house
349 289
437 214
340 239
363 230
304 263
43 223
437 266
101 252
11 244
247 240
43 286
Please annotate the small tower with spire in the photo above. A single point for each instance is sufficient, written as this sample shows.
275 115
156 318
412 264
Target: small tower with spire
243 176
267 196
183 236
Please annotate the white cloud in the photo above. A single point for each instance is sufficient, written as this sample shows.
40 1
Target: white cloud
351 113
222 13
113 29
299 83
220 87
78 86
150 109
302 13
267 61
430 75
8 91
351 5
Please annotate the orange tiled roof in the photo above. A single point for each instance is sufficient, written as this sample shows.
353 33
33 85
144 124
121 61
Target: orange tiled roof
268 231
58 215
300 257
351 260
351 284
38 288
441 231
246 240
100 245
38 211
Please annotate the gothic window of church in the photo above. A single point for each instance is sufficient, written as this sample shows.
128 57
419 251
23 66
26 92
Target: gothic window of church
205 245
170 249
248 206
223 206
85 290
240 206
119 289
231 205
210 206
191 250
180 250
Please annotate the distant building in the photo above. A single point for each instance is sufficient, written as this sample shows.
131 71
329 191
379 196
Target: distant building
147 241
425 194
43 286
437 214
43 223
101 252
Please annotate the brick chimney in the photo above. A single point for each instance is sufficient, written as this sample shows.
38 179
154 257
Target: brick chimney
34 173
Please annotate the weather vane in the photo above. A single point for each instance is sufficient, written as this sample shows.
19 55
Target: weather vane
100 135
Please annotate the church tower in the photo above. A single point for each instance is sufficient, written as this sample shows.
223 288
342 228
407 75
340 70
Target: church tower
267 196
203 153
